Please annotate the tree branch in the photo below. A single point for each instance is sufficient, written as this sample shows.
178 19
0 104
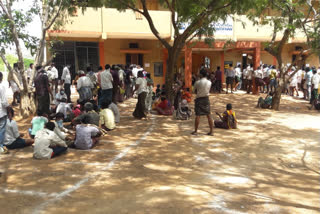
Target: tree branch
151 24
5 61
54 17
173 16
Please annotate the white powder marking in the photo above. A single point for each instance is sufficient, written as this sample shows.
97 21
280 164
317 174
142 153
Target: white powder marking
30 192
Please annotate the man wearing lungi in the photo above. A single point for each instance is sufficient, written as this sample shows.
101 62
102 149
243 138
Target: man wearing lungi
202 102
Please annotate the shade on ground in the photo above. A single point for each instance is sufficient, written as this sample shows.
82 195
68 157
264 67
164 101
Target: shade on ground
269 165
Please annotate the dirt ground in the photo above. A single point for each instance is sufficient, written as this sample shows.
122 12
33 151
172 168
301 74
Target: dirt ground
270 164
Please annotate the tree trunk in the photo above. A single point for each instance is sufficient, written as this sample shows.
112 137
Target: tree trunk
277 94
172 59
27 104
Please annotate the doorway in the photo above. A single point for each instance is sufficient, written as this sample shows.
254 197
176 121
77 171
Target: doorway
136 59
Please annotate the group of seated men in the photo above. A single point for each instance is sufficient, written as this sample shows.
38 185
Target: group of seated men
76 127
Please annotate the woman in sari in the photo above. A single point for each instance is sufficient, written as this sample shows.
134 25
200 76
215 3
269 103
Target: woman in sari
141 88
227 120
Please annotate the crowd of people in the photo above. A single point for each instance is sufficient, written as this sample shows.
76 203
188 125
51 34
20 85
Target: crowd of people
61 123
304 80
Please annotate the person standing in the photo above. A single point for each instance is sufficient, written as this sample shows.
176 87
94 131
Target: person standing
105 81
29 71
230 78
141 88
238 75
43 91
55 78
3 114
15 82
128 82
218 79
149 93
273 79
314 88
66 80
258 74
249 78
202 102
308 83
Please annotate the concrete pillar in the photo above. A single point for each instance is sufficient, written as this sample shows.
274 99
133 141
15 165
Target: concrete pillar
188 67
256 64
274 60
222 65
101 53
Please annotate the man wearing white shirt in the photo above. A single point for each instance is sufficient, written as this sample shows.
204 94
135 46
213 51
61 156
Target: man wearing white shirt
314 88
249 78
29 71
202 103
105 80
55 76
66 80
237 77
3 114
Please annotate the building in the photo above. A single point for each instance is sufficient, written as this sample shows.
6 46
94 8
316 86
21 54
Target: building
106 36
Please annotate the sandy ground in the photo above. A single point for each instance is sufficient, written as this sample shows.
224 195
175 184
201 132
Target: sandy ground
269 165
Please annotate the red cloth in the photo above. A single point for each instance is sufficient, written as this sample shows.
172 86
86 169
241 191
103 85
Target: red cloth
187 96
76 111
163 104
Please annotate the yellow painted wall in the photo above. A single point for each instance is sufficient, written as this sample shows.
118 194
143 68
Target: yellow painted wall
113 56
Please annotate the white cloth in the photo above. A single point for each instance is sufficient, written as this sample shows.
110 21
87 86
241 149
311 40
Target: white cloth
106 80
315 81
84 82
299 76
12 132
202 87
121 75
115 110
55 73
3 100
29 72
238 72
59 132
66 75
60 97
249 73
135 72
258 73
294 81
142 82
64 108
83 136
308 78
265 72
107 118
43 140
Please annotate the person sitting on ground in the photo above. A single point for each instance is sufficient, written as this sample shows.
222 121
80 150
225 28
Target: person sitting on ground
183 112
65 109
47 144
61 131
265 103
93 117
38 123
13 139
76 110
186 95
164 107
227 120
107 118
59 96
87 136
115 110
158 91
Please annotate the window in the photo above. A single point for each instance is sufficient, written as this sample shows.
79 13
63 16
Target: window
158 69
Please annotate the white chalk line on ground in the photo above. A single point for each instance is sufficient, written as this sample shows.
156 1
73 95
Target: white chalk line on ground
77 185
29 192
